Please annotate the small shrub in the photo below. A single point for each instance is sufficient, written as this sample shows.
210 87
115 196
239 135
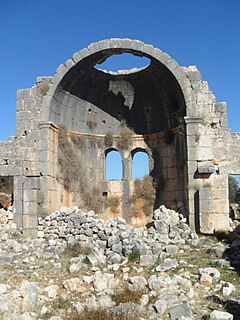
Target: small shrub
134 256
91 124
76 249
92 314
72 175
127 295
148 195
86 261
108 139
125 140
92 198
93 141
143 197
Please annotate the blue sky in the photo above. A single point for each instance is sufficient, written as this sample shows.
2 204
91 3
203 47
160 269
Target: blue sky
37 36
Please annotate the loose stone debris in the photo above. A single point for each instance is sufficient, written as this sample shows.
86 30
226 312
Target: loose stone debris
81 264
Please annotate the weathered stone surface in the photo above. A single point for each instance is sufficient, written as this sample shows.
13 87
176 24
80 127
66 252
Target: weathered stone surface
182 310
220 315
29 291
73 284
160 306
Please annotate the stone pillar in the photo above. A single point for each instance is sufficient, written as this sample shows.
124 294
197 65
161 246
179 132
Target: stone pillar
192 136
127 168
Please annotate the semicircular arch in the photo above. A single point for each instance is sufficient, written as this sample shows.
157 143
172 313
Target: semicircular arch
97 53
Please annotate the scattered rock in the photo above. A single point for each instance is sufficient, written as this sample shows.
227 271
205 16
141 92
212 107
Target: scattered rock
220 315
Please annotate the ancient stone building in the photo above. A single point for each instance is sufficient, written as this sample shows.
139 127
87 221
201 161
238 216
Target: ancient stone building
67 124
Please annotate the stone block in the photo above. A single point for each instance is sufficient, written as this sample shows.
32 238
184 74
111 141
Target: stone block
69 63
84 53
31 183
94 47
206 194
30 208
30 222
204 153
210 222
214 205
30 195
193 73
205 167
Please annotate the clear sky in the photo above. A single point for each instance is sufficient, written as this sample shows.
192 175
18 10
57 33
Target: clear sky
37 36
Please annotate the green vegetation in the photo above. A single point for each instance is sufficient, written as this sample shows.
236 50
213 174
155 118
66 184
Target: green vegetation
134 256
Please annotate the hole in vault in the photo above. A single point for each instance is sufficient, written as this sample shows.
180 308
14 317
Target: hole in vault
124 61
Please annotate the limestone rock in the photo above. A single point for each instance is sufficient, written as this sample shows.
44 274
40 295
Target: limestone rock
73 284
178 311
220 315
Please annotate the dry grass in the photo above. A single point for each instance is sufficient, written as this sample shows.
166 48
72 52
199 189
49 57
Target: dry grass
143 197
125 140
77 140
126 295
72 172
93 141
69 160
91 124
113 203
92 198
77 249
108 139
99 314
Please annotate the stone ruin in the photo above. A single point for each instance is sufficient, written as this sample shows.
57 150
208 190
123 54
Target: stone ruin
67 124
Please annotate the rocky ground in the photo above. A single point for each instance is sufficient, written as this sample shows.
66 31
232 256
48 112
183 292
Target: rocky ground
81 267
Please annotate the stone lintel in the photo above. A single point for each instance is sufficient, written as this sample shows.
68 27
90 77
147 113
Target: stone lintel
205 167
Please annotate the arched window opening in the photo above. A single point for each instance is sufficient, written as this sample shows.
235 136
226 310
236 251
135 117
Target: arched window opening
140 165
124 61
113 165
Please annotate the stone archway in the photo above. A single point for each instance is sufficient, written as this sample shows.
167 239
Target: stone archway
149 104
